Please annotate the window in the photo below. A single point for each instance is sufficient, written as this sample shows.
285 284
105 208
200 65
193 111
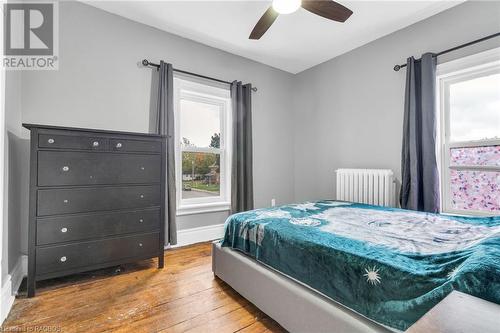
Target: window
203 146
469 100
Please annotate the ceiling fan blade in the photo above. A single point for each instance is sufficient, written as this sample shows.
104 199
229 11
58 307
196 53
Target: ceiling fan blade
328 9
264 23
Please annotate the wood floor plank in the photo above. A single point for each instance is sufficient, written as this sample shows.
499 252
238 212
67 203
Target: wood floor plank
183 297
202 319
231 322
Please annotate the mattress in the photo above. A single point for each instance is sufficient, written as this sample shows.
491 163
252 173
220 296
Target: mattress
390 265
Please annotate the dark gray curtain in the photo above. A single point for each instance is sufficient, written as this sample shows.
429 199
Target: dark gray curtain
420 180
241 171
165 126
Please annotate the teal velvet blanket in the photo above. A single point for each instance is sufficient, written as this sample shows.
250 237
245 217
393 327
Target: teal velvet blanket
390 265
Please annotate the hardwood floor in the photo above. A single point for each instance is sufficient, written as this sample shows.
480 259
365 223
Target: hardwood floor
183 297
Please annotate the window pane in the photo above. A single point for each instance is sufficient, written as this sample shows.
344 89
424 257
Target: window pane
200 175
200 124
475 190
475 109
489 155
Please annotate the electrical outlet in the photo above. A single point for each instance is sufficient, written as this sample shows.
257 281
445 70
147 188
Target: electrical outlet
273 202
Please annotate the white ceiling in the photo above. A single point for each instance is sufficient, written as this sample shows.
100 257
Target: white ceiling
294 42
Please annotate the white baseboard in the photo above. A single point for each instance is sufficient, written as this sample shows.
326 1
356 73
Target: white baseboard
198 235
11 286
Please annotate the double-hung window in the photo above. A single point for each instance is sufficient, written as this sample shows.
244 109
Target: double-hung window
203 145
469 100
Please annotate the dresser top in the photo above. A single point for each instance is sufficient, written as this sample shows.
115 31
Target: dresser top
51 127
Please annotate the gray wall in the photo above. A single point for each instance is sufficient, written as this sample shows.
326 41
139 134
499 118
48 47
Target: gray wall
100 85
15 180
349 110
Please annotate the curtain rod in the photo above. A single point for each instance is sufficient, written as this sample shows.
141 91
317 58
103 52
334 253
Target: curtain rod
146 63
398 67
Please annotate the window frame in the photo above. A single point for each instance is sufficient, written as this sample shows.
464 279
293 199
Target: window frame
448 73
202 91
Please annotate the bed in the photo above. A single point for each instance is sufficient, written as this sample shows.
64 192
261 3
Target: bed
356 267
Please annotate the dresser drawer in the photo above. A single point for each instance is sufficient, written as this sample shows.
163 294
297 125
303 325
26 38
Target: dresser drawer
72 142
79 200
68 228
135 145
66 257
82 168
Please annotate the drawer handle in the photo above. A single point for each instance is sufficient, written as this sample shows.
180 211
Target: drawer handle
142 196
140 244
95 144
119 145
65 200
64 230
51 141
141 220
63 259
65 168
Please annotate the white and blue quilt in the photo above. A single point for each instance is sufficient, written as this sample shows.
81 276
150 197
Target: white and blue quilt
390 265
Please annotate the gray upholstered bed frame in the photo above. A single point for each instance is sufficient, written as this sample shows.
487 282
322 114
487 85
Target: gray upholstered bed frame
293 305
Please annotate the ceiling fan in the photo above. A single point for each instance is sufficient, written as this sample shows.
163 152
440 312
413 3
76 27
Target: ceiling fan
327 8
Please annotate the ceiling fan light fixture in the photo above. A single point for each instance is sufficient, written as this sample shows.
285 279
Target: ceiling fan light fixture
286 6
328 9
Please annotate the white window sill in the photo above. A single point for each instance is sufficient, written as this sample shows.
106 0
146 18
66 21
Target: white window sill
463 213
203 208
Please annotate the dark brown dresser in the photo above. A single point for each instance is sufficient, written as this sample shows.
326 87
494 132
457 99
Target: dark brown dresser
96 200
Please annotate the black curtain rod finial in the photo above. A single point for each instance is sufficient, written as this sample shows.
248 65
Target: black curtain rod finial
398 67
146 63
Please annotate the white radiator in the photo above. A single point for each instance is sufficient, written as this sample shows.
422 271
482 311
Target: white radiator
370 186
